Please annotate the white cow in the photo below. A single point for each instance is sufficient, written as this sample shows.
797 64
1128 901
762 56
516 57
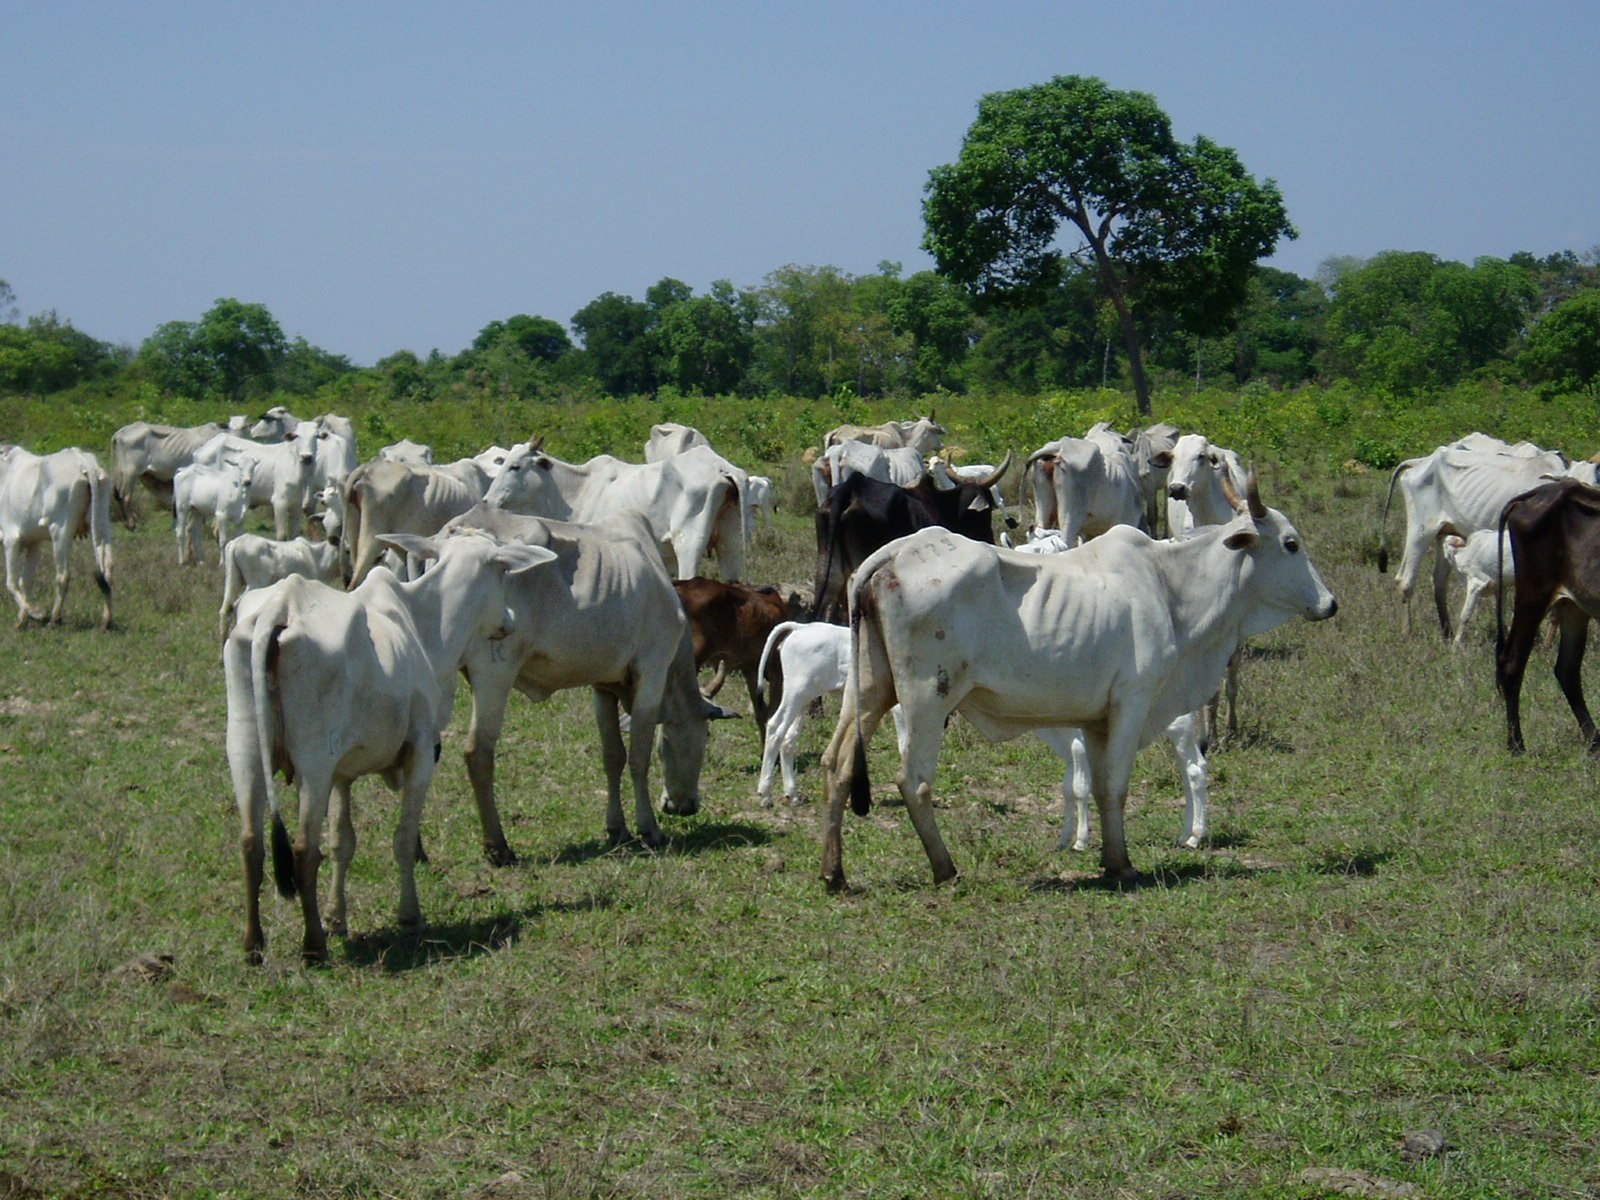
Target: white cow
1084 486
693 501
924 435
335 459
142 453
281 472
759 504
1484 563
50 500
216 495
406 451
1119 637
251 561
274 425
903 466
1459 489
380 498
604 616
669 438
1194 484
815 662
328 686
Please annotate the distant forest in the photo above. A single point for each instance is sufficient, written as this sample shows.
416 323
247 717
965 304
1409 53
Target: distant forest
1401 323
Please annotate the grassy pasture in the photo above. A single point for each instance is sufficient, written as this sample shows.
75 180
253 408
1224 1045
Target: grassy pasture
1394 929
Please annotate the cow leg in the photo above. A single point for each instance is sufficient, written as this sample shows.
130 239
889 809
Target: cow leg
483 734
1075 792
718 678
758 703
1110 765
782 737
22 569
342 835
250 791
641 746
418 774
1574 624
839 764
1231 685
1184 737
1418 540
1442 570
1475 589
614 757
63 560
1512 662
919 761
307 861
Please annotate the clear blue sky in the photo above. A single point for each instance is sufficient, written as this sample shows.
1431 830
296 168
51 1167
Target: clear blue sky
395 176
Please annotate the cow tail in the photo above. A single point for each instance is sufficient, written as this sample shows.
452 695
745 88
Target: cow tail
774 639
1500 596
100 528
860 784
232 586
1383 526
264 650
350 535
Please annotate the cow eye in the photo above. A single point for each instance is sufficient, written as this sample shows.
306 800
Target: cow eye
1292 545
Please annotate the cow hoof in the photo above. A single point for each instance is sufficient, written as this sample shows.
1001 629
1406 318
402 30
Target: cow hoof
500 856
617 837
337 927
835 883
654 839
1126 878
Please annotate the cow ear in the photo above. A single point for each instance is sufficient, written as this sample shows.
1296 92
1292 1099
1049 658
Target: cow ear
517 557
980 503
1161 461
411 543
1243 538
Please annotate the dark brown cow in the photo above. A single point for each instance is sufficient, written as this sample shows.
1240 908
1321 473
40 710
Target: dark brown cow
730 623
1555 546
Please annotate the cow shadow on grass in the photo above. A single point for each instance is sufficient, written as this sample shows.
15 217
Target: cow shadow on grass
396 950
1165 875
697 839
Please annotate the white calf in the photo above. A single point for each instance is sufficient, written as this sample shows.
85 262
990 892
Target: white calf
758 503
251 561
202 493
1483 567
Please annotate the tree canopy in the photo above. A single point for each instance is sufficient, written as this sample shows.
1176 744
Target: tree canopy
1172 226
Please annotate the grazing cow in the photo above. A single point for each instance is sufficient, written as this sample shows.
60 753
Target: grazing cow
924 435
1118 637
328 686
902 466
864 514
1554 535
1457 489
382 497
218 495
604 616
694 501
815 661
729 624
668 438
406 451
1194 484
142 453
281 472
50 500
1084 486
1480 561
759 504
251 561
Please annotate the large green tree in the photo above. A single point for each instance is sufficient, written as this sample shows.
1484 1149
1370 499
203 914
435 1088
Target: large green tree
1564 347
1172 225
233 351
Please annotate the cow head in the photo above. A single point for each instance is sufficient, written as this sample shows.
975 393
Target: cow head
1280 576
523 481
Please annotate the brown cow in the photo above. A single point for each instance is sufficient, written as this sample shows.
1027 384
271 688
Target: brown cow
1555 545
730 623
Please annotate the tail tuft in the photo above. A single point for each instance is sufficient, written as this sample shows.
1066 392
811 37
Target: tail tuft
860 785
1383 560
283 872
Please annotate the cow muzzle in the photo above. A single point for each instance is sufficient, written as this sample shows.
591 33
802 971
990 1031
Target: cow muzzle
1177 491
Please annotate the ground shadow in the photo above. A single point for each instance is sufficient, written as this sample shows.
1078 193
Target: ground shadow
395 950
708 835
1360 862
1164 875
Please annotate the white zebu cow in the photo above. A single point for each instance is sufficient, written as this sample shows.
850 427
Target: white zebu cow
815 661
50 500
151 455
924 435
1152 457
274 425
335 459
693 501
381 498
1484 563
1084 486
281 472
759 504
1194 484
1458 489
406 451
202 495
328 686
251 561
902 466
669 438
604 616
1118 636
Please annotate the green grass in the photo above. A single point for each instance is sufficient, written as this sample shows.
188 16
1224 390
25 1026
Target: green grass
1394 928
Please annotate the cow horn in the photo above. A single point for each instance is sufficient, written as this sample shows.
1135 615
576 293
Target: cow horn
998 472
1252 495
536 444
1235 501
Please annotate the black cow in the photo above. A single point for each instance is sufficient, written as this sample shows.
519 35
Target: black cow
1555 546
863 514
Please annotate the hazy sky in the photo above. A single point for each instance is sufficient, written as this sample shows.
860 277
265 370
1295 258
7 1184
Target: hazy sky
395 176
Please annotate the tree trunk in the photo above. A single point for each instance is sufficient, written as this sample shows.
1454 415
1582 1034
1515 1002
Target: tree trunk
1130 331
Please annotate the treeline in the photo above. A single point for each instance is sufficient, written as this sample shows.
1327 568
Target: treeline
1399 324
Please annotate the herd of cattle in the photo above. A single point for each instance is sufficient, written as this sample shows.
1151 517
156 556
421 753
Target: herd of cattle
523 572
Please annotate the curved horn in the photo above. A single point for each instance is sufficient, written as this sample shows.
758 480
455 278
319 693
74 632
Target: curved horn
536 444
1235 501
998 472
1252 495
